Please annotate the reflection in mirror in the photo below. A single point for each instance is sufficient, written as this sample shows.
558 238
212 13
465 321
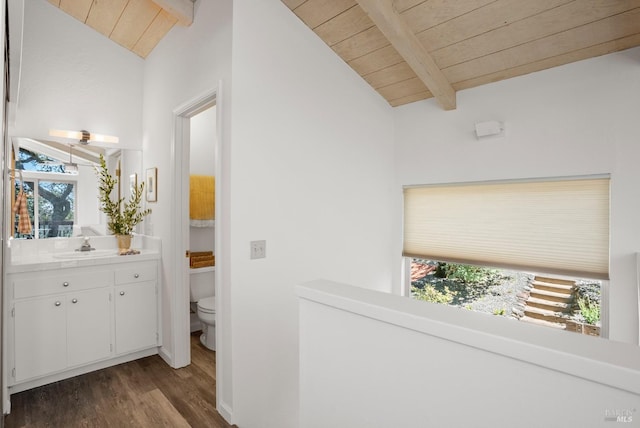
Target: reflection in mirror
60 187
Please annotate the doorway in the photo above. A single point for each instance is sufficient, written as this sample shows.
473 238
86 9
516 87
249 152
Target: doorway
202 173
206 104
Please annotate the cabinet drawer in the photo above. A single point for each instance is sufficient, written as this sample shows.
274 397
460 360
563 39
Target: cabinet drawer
138 272
45 282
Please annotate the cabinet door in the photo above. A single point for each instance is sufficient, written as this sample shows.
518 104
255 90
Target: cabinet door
88 326
136 316
40 337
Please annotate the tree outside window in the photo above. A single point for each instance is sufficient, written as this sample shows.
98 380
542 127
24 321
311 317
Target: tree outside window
50 202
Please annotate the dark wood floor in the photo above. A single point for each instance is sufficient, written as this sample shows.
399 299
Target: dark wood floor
142 393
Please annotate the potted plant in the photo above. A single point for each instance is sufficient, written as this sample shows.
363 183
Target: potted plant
122 215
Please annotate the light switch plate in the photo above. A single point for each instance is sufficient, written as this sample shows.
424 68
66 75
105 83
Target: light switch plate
258 249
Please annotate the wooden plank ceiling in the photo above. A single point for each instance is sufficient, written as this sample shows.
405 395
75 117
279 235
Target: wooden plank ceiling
137 25
409 50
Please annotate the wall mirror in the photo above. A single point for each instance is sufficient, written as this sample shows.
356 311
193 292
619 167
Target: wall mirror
93 92
60 186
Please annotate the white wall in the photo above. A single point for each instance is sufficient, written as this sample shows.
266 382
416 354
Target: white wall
188 62
203 162
203 143
74 78
374 360
88 209
578 119
311 173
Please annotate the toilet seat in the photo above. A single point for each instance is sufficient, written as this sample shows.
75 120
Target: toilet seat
207 305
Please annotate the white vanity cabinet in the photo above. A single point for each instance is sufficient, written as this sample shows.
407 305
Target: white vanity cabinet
136 311
88 326
60 320
57 332
64 322
33 334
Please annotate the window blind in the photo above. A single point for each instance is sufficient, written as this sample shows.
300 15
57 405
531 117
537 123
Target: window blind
558 226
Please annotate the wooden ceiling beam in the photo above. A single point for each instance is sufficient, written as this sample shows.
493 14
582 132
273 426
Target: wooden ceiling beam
181 9
393 26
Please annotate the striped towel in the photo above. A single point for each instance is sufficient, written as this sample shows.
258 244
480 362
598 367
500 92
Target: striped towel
21 208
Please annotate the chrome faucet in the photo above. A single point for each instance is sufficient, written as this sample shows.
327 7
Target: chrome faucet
86 246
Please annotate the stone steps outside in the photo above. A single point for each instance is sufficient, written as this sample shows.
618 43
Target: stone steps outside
542 322
549 301
549 305
558 281
551 295
543 314
549 286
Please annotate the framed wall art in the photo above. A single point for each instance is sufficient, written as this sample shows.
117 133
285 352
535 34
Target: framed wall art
152 184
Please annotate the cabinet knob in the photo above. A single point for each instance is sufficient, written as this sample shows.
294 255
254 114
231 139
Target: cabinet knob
58 303
122 293
65 284
136 275
74 301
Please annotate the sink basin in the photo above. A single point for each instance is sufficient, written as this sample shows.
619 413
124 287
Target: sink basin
94 254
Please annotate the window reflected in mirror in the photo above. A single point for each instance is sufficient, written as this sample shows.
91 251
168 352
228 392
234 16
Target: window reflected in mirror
50 197
61 187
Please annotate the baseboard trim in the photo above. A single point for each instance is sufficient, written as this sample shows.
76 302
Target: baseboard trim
168 358
225 411
33 383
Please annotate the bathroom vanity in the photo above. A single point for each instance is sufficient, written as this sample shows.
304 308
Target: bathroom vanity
69 313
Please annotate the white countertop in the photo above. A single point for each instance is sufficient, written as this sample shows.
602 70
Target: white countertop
47 254
47 262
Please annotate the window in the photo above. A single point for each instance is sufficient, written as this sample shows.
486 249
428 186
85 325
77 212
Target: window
557 228
50 195
559 302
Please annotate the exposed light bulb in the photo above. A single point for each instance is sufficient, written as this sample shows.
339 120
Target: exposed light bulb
83 136
104 138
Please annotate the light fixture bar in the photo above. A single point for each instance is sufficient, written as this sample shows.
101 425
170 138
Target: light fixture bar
83 136
104 138
76 135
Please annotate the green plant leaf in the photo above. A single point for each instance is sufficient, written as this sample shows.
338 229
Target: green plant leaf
123 216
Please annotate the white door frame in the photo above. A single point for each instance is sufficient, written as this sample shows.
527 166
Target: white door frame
5 404
180 324
180 153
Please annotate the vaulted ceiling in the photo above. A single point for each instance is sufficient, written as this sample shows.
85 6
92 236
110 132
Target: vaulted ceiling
409 50
138 25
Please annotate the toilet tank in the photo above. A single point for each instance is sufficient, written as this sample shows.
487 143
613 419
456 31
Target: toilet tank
202 283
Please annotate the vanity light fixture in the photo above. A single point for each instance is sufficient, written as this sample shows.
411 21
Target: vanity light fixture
83 136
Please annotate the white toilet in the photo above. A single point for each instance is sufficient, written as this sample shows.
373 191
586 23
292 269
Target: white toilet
202 288
207 315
